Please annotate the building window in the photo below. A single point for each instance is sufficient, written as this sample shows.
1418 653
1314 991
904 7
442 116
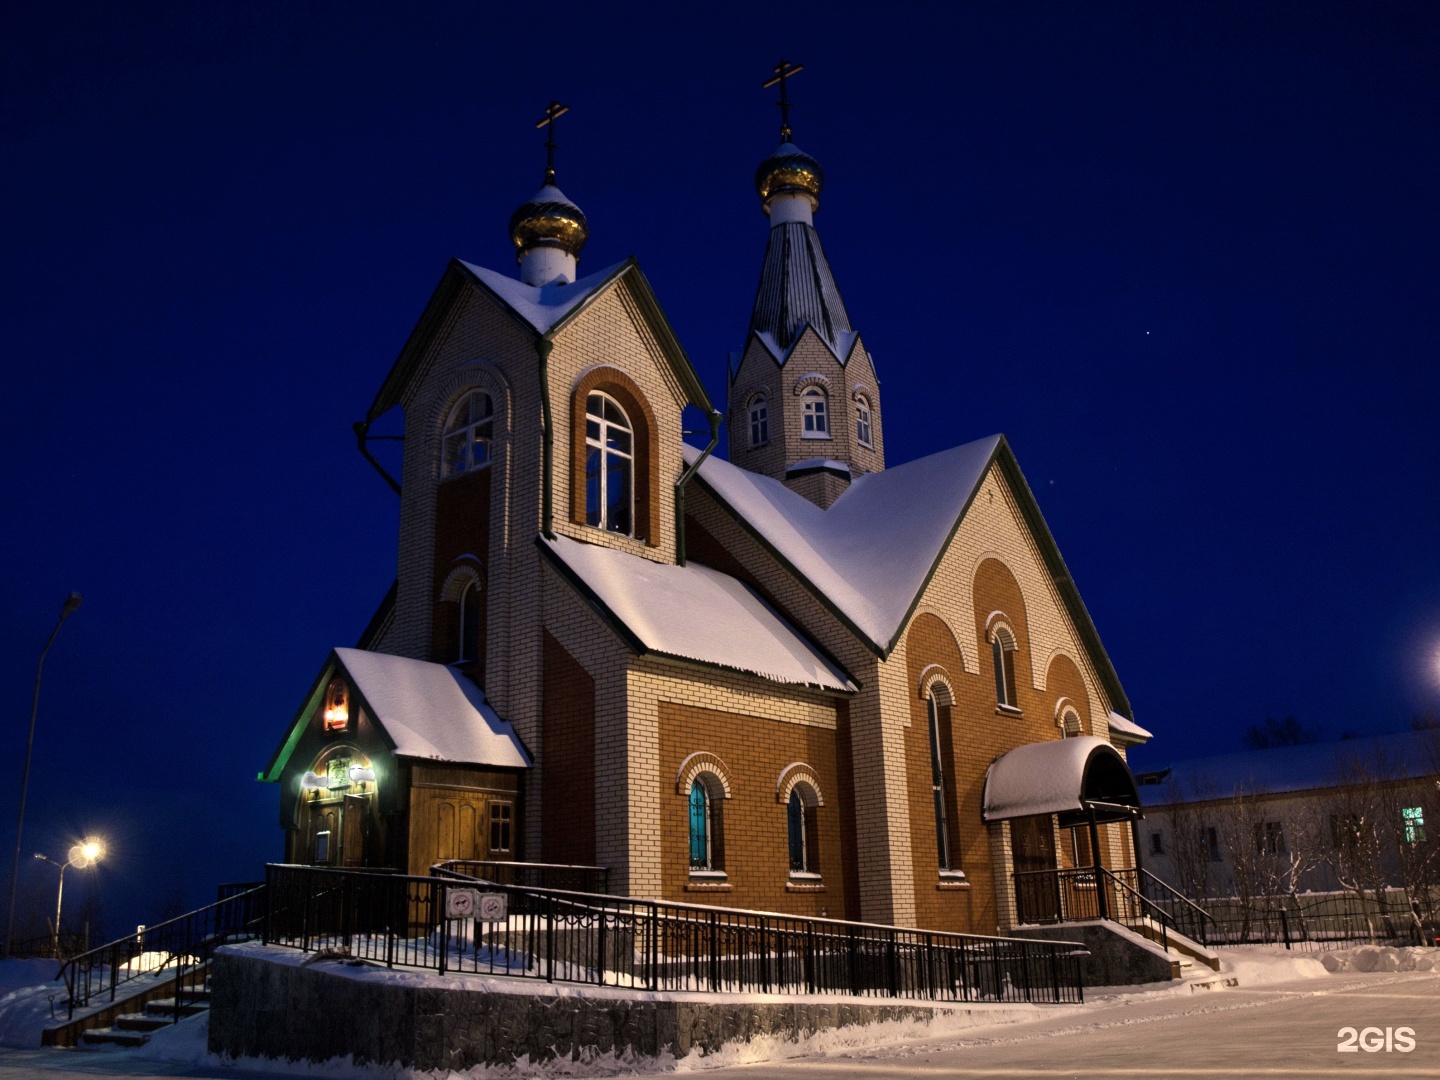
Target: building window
337 706
862 422
1269 838
1002 649
1413 818
465 446
1070 724
500 814
470 608
802 826
1210 841
817 423
937 787
609 466
759 421
1157 844
706 833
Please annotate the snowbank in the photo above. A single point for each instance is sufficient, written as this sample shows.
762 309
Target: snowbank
1260 965
1382 958
25 1012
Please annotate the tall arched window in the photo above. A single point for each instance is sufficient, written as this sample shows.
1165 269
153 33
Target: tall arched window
609 465
759 420
801 814
465 446
937 786
816 418
1002 651
862 421
706 832
470 611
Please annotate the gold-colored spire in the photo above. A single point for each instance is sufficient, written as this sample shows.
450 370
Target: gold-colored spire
789 170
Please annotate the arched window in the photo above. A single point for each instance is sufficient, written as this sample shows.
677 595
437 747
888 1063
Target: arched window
759 421
609 465
1070 724
937 786
1002 651
706 831
465 446
337 706
470 610
862 421
801 814
817 423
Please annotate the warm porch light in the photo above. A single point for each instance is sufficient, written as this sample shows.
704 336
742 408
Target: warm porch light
337 706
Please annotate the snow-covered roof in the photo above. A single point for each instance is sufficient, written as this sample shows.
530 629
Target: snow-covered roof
1127 730
1050 778
870 553
432 711
1281 769
696 613
542 306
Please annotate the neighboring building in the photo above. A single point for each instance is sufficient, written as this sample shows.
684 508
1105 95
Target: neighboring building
1295 806
773 682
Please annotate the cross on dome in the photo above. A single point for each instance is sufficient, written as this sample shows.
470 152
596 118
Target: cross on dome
553 112
783 70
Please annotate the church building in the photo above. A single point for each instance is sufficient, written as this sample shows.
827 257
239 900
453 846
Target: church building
804 679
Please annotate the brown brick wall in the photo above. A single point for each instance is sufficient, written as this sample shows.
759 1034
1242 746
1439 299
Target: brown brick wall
567 758
462 527
754 751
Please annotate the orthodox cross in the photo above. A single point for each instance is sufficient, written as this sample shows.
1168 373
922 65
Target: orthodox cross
553 112
783 71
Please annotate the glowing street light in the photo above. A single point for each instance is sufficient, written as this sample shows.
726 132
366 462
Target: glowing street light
82 855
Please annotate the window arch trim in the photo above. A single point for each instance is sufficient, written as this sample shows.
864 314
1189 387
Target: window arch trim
936 681
793 775
645 456
703 762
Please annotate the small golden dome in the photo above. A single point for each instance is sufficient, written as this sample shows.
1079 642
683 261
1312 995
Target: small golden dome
549 219
789 171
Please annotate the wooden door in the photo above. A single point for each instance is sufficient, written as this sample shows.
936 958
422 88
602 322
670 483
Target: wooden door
323 835
353 830
1032 846
445 824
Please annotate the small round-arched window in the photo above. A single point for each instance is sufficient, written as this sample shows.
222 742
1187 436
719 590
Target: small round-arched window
862 421
759 420
337 706
815 413
802 826
465 445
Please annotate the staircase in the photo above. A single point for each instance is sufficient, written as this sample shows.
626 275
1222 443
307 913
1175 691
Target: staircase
134 1029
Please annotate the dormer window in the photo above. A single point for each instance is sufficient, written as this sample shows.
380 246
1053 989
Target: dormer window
862 422
759 421
465 445
816 418
609 465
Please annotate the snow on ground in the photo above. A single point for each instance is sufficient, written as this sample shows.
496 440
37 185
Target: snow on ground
1368 958
15 974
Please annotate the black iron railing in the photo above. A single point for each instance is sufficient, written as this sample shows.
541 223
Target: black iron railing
1314 920
1081 893
179 948
530 875
1186 916
565 936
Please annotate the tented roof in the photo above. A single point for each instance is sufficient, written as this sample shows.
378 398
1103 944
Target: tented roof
1055 777
694 613
797 288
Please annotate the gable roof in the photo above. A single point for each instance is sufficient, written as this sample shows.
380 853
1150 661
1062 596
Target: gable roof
425 710
542 311
692 613
1283 769
869 557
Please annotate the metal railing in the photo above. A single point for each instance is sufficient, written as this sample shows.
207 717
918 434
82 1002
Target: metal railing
180 948
562 936
530 875
1188 917
1318 920
1080 893
44 946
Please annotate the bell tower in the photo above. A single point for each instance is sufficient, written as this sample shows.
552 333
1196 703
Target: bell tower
804 403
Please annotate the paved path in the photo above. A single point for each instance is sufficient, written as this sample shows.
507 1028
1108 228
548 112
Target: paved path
1278 1031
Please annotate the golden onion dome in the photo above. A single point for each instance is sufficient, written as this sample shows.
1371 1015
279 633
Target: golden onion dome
549 219
789 171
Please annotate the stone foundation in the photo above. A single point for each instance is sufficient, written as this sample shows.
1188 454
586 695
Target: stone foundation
1118 956
267 1002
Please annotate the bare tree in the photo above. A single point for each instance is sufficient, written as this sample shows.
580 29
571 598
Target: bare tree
1355 807
1240 821
1189 845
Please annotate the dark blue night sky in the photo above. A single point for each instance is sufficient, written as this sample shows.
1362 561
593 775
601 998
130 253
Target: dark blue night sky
1183 255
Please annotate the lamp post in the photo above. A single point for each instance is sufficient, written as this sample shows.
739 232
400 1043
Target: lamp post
71 603
86 853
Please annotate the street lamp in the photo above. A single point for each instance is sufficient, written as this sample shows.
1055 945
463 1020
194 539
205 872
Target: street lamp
86 853
71 603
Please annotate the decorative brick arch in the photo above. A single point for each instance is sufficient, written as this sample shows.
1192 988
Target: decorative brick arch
467 568
813 378
477 375
703 762
797 772
935 680
613 381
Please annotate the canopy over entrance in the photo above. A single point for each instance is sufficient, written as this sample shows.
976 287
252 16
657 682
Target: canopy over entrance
1082 779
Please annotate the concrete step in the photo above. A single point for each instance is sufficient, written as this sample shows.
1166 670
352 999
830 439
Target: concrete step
140 1022
114 1037
164 1008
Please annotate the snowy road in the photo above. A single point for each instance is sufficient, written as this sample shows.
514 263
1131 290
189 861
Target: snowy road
1283 1030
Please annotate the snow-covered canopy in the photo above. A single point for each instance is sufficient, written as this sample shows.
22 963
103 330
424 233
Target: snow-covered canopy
1056 777
432 711
542 306
1127 731
870 553
695 613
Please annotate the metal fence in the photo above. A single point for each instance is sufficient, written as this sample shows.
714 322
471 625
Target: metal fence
586 879
578 937
180 948
1319 920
